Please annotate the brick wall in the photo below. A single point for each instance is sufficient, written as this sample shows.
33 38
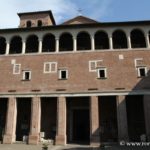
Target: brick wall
121 73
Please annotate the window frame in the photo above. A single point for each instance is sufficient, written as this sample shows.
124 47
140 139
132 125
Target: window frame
138 71
60 74
24 72
95 65
105 73
14 69
50 67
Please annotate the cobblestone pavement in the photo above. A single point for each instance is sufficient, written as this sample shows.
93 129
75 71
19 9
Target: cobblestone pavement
68 147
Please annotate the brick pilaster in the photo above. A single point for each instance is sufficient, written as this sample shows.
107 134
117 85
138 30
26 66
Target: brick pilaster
61 121
122 119
10 128
35 120
94 122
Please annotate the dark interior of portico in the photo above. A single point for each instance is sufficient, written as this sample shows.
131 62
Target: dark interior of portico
108 119
3 112
23 118
78 120
48 117
135 116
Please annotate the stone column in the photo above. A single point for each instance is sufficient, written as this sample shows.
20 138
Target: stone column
92 43
147 40
110 42
74 44
23 46
7 47
40 46
57 45
146 103
129 41
35 121
61 121
10 128
94 121
122 119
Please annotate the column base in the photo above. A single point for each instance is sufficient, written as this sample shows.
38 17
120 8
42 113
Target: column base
95 141
60 140
8 139
33 139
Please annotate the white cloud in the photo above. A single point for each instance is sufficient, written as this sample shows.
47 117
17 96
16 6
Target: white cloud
62 9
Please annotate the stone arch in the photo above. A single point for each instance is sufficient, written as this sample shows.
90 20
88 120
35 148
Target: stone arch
2 45
65 42
101 40
48 43
32 44
83 41
15 45
119 39
28 24
137 39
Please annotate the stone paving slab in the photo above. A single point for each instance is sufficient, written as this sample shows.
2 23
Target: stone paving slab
68 147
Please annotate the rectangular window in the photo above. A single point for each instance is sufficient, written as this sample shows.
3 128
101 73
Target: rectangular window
93 64
27 75
16 68
102 73
50 67
142 71
63 74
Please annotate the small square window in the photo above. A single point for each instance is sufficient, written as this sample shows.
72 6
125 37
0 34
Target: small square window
142 71
102 74
63 74
26 75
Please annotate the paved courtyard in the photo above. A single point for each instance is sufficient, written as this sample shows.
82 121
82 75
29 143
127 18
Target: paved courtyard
68 147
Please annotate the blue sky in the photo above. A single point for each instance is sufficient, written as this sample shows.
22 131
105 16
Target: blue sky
101 10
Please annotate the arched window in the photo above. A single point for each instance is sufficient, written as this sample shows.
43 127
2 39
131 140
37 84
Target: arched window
2 45
48 43
15 45
65 42
101 40
83 41
28 24
137 39
32 44
39 23
119 39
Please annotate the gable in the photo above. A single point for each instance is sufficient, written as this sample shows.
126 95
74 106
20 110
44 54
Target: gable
79 20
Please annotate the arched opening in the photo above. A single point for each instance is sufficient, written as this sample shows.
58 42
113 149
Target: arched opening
83 41
65 42
119 39
15 45
39 23
101 40
137 39
48 43
28 24
2 45
32 44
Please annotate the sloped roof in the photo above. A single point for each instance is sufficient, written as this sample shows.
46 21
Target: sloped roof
79 20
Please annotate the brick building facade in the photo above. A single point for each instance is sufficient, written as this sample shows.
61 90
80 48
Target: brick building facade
78 82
